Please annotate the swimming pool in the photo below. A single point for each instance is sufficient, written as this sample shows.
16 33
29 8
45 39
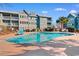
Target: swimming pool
36 37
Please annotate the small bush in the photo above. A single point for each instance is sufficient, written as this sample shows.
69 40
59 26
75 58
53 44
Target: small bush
71 29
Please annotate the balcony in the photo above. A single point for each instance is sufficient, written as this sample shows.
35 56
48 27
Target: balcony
10 18
7 24
6 17
14 17
15 24
49 23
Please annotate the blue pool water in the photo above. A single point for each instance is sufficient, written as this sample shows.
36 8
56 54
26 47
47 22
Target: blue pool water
36 37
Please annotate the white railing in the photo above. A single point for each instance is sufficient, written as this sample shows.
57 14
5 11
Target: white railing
6 17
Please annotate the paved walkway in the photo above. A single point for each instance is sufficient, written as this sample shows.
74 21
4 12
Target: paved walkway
53 48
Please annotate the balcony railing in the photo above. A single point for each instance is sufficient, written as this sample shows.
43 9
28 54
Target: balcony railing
7 24
6 17
15 24
14 17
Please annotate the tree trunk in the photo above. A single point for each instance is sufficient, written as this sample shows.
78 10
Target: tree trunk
61 26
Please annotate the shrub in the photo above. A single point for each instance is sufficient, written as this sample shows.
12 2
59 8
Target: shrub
71 29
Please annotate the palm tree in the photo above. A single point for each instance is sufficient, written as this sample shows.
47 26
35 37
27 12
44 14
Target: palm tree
62 20
57 21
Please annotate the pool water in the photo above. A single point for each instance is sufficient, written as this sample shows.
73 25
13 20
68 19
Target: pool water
36 37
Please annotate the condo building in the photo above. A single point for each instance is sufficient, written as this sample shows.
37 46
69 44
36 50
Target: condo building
73 20
10 19
44 22
23 20
17 20
32 22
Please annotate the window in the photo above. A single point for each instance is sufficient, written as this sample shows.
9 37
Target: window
21 16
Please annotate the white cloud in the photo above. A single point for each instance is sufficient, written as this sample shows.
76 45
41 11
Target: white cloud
73 11
45 12
60 9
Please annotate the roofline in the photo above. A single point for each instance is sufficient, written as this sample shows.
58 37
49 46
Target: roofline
46 16
1 11
12 12
72 15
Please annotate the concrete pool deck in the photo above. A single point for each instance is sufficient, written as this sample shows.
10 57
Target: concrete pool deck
72 37
51 48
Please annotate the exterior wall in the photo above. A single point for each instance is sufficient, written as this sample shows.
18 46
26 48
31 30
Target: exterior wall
10 20
43 23
0 16
1 22
23 21
6 19
14 20
73 21
32 22
29 22
77 23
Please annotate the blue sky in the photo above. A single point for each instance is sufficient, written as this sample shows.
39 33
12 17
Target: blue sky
54 10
